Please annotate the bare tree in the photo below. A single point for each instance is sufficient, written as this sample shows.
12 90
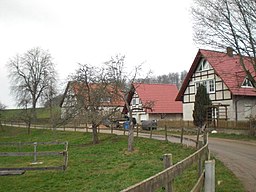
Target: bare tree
26 113
228 23
171 78
183 75
95 97
2 107
32 75
96 91
123 80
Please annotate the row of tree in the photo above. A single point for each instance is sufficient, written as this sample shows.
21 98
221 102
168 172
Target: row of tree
171 78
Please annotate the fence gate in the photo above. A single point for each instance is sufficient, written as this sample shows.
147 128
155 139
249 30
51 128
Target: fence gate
215 113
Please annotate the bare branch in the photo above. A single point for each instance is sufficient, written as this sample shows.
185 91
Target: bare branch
32 75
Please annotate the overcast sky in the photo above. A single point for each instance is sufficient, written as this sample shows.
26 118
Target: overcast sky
157 33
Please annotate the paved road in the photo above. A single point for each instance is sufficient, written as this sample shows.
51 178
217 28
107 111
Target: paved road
239 157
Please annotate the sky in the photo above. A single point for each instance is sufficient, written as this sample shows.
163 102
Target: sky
157 33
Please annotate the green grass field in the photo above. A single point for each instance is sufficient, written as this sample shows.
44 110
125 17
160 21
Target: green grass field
17 115
103 167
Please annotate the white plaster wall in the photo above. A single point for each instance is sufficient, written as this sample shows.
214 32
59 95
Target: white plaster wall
246 106
188 111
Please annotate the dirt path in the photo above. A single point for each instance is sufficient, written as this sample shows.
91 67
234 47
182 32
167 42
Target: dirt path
239 157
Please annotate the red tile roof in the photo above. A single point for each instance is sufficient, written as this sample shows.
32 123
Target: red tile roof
80 88
163 96
226 67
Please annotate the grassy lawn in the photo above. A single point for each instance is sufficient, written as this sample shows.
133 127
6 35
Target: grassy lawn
217 135
103 167
234 136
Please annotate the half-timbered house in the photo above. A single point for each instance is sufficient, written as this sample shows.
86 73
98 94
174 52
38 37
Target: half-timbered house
233 95
154 102
79 97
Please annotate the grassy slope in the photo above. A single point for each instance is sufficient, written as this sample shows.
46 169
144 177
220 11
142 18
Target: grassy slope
42 113
103 167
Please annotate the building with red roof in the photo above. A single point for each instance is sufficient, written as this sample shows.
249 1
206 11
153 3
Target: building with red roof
154 102
79 96
225 81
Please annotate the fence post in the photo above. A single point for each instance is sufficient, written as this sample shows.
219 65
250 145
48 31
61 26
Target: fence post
35 155
166 136
182 133
200 162
209 184
167 159
65 154
137 130
151 132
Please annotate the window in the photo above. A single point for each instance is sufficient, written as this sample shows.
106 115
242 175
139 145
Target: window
209 84
105 99
134 101
203 65
247 83
247 110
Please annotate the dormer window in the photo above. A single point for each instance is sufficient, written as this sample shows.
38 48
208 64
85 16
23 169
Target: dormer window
247 83
203 65
105 99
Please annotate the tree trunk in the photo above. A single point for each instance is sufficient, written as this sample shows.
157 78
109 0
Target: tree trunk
197 137
95 139
130 133
130 136
34 111
29 125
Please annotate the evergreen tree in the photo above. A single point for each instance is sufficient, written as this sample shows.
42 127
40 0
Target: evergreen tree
202 100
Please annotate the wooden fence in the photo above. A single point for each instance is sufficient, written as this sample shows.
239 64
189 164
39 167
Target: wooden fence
166 176
35 154
221 124
161 179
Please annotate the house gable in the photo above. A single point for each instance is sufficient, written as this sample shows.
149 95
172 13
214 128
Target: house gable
226 83
77 95
226 73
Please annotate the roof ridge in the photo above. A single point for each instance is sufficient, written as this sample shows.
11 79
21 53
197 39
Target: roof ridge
155 83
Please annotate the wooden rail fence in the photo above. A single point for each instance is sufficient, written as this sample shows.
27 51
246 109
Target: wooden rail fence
166 176
35 154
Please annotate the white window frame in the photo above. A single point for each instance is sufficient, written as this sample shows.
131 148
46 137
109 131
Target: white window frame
207 83
134 101
203 65
105 100
247 83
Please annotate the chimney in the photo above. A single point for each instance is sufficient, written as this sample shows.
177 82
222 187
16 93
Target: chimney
230 51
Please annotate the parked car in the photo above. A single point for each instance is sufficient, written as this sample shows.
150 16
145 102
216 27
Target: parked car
149 124
119 123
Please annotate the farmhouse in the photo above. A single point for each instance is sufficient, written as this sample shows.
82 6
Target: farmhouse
233 95
154 102
79 97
